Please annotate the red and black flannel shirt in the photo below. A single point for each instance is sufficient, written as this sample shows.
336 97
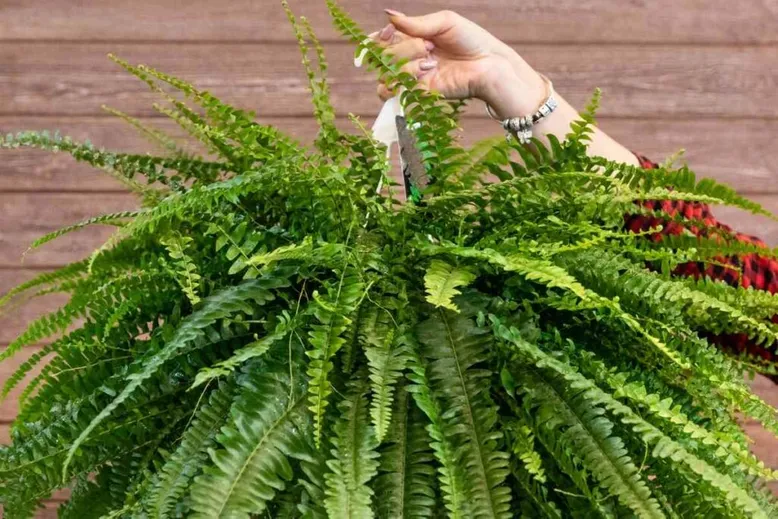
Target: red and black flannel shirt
754 270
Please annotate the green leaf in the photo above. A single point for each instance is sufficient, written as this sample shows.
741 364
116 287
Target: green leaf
404 485
354 459
192 452
442 281
268 425
457 351
241 298
333 313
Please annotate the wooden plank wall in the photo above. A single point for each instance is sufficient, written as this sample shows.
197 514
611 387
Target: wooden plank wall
675 73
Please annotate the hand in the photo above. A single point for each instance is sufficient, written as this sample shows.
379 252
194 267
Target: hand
461 60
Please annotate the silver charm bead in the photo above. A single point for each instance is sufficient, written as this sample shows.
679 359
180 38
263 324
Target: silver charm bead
521 126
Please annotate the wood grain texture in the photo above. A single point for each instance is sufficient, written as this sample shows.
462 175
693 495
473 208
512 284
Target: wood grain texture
16 318
637 81
756 225
742 163
263 20
27 216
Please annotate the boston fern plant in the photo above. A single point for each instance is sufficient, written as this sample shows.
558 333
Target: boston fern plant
271 334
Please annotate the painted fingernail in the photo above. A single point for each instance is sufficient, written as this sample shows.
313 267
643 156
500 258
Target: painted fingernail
428 64
429 45
387 32
392 12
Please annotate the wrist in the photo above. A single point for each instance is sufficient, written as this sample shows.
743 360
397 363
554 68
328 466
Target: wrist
512 90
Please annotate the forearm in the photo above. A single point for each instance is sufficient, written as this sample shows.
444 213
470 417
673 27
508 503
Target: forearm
518 90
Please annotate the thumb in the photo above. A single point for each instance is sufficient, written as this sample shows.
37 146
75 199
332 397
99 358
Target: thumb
427 26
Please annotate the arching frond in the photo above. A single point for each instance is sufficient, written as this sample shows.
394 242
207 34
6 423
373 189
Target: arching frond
457 351
191 454
354 458
333 313
267 426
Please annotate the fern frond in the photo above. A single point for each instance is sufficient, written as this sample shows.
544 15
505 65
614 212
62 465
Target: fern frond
326 338
355 460
320 93
155 169
663 446
216 307
46 326
25 368
386 352
450 470
682 180
61 275
591 437
404 485
442 281
188 459
105 219
255 349
442 155
189 278
456 349
153 135
268 426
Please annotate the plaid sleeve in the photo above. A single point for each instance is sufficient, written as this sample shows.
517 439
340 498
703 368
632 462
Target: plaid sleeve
750 270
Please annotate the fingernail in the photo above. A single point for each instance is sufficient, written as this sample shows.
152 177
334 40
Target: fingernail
429 45
392 12
428 64
373 35
387 32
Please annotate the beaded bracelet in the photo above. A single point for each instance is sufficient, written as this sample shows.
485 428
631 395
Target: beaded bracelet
522 126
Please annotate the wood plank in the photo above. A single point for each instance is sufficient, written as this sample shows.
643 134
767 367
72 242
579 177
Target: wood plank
16 317
27 216
638 81
530 20
742 163
755 225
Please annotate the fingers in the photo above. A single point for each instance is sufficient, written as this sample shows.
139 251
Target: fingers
387 36
416 51
401 46
410 49
427 26
384 93
422 69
